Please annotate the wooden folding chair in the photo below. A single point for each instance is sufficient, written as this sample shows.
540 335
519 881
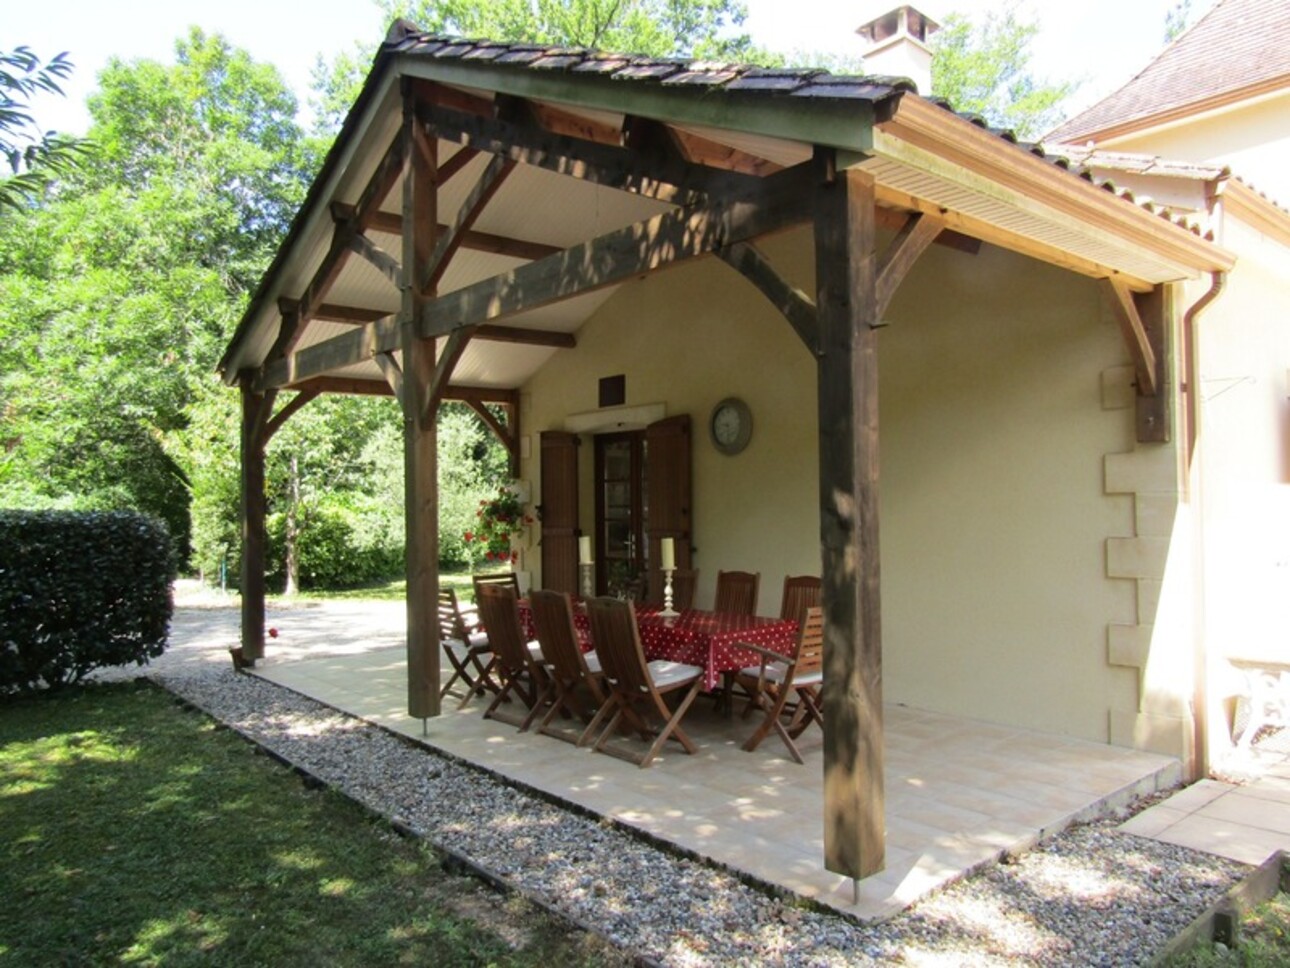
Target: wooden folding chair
507 578
780 676
467 649
515 661
800 593
737 592
637 687
569 670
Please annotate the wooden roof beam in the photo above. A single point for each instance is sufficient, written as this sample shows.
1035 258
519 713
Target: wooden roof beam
391 223
448 242
634 250
497 334
613 167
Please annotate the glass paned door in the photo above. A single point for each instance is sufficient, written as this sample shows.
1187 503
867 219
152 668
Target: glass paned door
621 549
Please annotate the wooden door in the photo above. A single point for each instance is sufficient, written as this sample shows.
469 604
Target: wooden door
559 511
667 488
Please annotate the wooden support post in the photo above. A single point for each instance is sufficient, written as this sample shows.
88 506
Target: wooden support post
255 418
420 444
846 277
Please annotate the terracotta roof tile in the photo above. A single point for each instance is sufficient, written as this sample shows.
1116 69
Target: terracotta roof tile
1237 45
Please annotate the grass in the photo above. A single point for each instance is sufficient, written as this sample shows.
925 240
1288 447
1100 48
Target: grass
137 832
1264 941
392 591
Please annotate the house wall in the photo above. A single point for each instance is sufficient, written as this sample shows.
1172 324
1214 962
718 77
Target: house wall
1243 464
995 514
1254 140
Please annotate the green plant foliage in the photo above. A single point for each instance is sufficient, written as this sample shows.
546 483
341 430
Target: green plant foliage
696 29
138 833
79 592
498 519
34 157
119 291
984 68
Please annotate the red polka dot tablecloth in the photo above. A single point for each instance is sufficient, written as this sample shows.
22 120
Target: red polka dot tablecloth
706 639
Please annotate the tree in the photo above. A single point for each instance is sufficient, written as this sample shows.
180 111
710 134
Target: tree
33 156
983 68
652 28
119 293
1177 20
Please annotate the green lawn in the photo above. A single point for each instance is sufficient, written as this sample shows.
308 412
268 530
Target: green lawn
392 591
135 831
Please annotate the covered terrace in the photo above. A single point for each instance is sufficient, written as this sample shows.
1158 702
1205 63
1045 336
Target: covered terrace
484 201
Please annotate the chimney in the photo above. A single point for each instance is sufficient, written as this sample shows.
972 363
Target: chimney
898 46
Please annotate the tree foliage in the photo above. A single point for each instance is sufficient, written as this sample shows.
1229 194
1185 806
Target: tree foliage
120 290
1177 20
652 28
984 68
33 156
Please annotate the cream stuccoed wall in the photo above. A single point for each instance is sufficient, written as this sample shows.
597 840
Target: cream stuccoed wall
1244 463
994 433
1253 139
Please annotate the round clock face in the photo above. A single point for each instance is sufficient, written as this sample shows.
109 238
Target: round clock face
731 425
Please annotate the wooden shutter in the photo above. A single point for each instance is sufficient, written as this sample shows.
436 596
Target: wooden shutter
560 511
667 483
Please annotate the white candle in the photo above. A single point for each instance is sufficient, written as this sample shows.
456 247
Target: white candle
667 552
584 550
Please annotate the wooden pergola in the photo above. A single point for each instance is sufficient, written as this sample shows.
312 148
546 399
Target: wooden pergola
449 138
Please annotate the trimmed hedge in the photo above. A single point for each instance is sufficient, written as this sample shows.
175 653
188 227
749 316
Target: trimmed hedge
78 591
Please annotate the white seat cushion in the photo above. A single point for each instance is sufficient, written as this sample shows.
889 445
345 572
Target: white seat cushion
666 673
775 672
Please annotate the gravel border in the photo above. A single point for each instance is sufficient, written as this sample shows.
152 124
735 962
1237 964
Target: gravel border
1090 896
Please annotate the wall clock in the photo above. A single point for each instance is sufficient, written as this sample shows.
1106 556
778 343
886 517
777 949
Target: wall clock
730 425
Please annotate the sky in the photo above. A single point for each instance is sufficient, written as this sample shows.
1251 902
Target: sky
1101 42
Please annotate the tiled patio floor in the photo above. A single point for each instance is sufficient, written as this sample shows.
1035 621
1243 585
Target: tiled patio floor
958 791
1244 821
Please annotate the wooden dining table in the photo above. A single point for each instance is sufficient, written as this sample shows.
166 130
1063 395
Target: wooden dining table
710 640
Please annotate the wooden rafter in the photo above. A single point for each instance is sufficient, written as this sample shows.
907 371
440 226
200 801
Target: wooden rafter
392 224
379 388
575 126
382 180
797 307
446 246
919 231
373 253
588 161
357 346
713 154
497 334
656 243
